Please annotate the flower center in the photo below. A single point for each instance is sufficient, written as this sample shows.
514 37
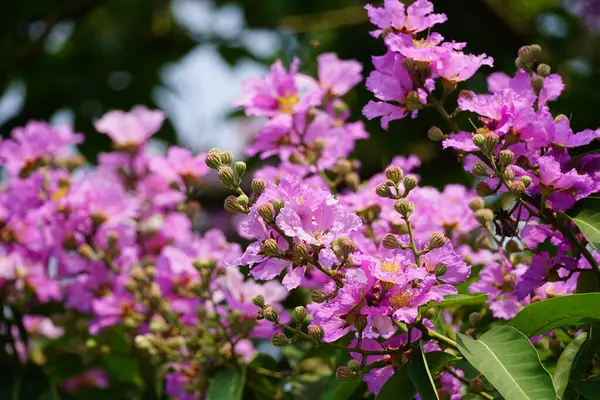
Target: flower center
400 300
287 103
422 43
390 267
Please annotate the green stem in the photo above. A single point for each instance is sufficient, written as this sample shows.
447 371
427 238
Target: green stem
413 245
442 111
440 338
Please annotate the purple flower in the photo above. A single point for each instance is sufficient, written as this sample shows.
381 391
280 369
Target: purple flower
338 76
456 66
460 141
129 130
418 17
562 188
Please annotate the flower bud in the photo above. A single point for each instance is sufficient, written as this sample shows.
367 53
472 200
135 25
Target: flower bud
86 251
390 183
506 157
347 247
354 366
478 140
537 82
394 174
243 200
360 322
343 166
352 180
240 168
227 157
508 174
483 189
476 203
300 314
316 333
480 169
437 240
267 212
142 342
319 296
232 205
278 205
523 162
383 190
519 63
512 246
301 251
440 270
270 248
490 141
484 216
343 373
517 188
158 324
404 207
279 339
259 301
435 134
270 314
227 177
390 242
213 159
474 318
413 102
526 180
544 70
477 385
529 54
410 182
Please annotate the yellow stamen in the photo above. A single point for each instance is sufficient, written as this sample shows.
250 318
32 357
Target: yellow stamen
400 300
287 103
390 267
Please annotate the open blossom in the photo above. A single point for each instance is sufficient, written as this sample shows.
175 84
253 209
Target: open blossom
417 17
562 188
130 129
338 76
456 66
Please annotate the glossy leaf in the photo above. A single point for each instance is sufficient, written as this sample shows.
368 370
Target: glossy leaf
565 363
453 300
401 387
544 316
420 375
510 362
589 389
587 218
340 390
227 385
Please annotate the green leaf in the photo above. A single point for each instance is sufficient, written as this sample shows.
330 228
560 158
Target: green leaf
122 368
420 375
340 390
587 217
453 300
401 387
510 362
227 385
544 316
565 363
583 359
589 389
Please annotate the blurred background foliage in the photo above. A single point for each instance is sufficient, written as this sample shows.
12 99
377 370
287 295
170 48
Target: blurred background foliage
69 61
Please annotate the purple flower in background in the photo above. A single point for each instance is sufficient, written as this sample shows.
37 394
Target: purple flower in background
417 17
129 130
338 76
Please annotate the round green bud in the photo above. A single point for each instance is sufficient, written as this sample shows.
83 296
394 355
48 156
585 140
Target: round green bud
537 82
436 134
354 366
227 176
526 180
490 141
390 242
259 301
437 240
394 174
517 188
474 318
484 216
279 339
344 373
300 314
240 168
478 140
383 190
316 333
318 296
480 170
413 102
227 157
476 203
270 314
404 207
509 174
270 248
267 212
278 205
506 157
544 70
410 182
440 270
213 159
232 205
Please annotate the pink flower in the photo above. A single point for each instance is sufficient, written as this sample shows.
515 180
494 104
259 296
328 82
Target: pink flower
130 129
418 17
338 76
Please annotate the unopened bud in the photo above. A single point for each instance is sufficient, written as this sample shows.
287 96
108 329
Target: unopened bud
157 324
352 180
478 140
240 168
259 301
517 188
413 102
508 174
227 157
300 314
435 134
544 70
477 385
278 205
347 247
270 248
529 54
267 212
270 314
390 183
343 373
474 318
86 251
394 174
227 176
383 190
318 296
484 216
480 169
301 251
343 166
213 159
440 270
526 180
476 203
437 240
506 157
142 342
354 366
410 182
512 246
360 322
390 242
490 141
232 205
537 83
483 189
316 333
523 162
279 339
404 207
520 64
